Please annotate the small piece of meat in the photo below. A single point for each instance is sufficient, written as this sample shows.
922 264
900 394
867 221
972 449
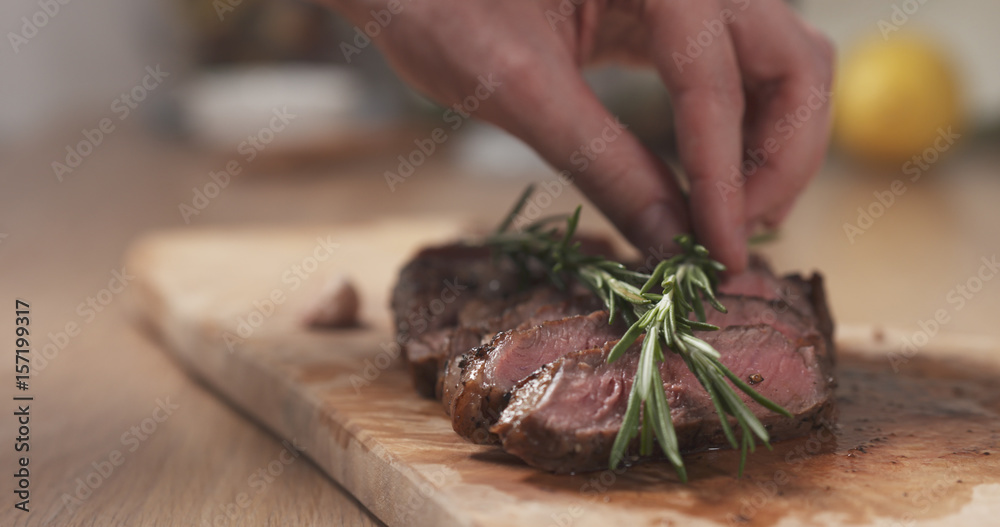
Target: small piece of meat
490 372
336 305
565 417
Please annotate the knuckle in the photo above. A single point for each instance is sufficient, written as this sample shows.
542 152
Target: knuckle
727 92
721 91
514 62
518 70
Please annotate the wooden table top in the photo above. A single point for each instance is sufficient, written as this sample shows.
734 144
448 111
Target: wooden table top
103 453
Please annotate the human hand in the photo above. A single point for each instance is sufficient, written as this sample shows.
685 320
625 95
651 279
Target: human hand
749 80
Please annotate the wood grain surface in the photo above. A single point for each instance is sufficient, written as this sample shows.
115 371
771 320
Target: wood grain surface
914 444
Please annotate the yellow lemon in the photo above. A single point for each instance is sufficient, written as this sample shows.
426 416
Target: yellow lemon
894 98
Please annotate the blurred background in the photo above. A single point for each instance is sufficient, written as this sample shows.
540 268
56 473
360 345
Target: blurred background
117 117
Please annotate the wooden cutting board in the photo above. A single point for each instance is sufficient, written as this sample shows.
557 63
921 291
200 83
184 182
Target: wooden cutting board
918 439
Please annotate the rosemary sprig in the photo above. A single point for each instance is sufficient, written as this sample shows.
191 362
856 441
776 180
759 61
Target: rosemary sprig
657 307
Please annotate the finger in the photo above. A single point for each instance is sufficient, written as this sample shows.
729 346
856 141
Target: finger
536 92
700 70
787 68
550 107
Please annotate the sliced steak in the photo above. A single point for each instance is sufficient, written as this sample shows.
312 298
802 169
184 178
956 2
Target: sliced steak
427 352
423 357
758 280
435 285
815 295
565 417
440 282
432 289
750 311
797 309
489 372
518 361
518 317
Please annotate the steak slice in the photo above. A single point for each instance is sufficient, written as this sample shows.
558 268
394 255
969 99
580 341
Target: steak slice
430 353
432 289
423 356
795 306
758 280
489 372
751 311
520 317
742 311
427 352
435 285
452 285
565 417
815 294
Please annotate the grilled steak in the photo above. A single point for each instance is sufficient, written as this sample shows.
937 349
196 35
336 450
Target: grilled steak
565 417
447 286
489 372
432 289
517 361
521 316
759 281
